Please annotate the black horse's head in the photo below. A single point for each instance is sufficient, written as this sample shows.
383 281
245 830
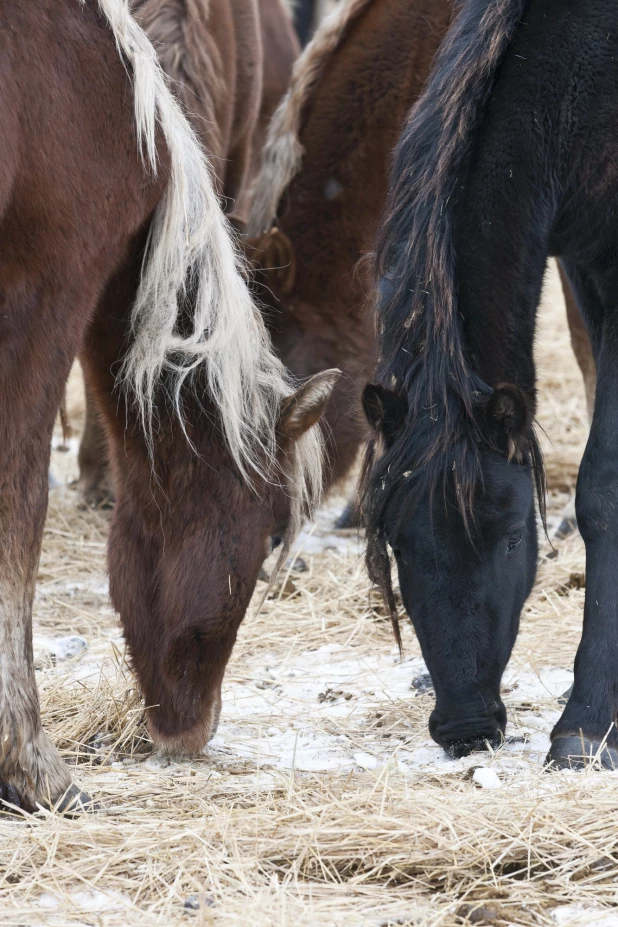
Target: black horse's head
461 523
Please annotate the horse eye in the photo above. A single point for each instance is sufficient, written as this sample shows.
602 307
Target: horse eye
514 542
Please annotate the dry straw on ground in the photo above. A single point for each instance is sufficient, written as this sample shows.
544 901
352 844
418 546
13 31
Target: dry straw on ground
389 834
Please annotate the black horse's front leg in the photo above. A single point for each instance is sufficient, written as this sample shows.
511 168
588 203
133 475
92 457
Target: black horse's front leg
588 728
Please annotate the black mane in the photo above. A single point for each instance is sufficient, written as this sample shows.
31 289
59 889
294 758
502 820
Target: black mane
423 357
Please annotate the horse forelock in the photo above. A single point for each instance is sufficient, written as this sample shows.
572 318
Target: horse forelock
190 250
283 151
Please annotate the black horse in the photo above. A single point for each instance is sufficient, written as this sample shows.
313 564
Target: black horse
510 156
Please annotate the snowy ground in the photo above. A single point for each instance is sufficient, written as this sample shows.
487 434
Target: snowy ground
321 800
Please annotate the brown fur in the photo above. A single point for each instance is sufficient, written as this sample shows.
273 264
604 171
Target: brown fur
230 62
284 150
210 51
281 50
188 533
580 343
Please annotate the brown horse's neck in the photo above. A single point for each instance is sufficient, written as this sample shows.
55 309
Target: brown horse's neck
350 128
330 211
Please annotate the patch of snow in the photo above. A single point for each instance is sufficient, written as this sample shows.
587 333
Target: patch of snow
96 585
58 649
293 716
580 915
90 900
309 542
528 686
365 760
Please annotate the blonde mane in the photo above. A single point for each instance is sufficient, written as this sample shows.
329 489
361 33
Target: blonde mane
283 152
190 250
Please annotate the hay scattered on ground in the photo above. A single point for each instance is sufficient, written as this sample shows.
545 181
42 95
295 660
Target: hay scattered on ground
321 800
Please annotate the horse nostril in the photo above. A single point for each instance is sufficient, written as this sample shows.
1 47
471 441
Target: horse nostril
459 748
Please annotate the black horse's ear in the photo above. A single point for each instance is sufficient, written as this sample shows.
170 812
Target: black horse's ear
510 414
386 411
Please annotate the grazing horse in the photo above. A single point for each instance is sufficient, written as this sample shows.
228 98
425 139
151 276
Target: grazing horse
229 62
508 157
321 191
112 243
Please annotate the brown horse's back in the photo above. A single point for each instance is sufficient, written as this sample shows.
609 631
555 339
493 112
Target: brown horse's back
349 127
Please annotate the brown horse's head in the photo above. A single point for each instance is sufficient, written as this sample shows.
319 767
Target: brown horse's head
186 548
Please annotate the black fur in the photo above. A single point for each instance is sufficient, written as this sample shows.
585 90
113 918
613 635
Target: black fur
423 356
508 157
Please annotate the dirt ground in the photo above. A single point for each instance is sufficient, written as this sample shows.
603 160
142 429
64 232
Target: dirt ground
322 800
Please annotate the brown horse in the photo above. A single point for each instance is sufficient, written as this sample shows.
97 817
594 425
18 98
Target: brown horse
112 242
229 62
322 190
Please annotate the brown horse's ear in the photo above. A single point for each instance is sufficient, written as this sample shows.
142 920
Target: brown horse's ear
510 414
273 255
305 407
386 411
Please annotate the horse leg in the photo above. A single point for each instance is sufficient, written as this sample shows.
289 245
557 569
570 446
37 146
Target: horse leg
588 724
582 349
34 365
350 517
304 19
94 484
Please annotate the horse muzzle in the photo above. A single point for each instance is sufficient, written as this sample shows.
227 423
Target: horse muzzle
467 730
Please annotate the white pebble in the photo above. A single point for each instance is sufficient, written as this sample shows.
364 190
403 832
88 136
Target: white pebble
486 778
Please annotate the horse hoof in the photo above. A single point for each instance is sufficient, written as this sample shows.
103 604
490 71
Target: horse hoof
12 802
563 699
102 502
349 518
566 527
75 802
575 752
458 749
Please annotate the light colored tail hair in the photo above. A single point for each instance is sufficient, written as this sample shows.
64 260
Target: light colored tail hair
190 253
283 151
